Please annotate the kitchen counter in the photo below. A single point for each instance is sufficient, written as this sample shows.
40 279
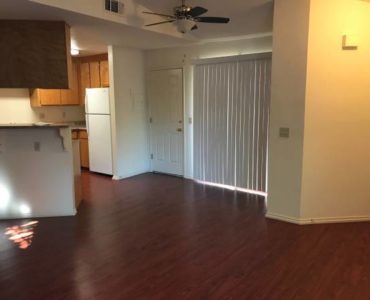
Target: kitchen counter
33 125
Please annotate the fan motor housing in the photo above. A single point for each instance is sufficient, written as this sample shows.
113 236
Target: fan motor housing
182 11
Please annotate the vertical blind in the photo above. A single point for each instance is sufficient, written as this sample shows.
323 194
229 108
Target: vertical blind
231 114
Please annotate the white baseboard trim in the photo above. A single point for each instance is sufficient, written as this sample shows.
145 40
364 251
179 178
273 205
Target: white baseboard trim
329 220
283 218
131 174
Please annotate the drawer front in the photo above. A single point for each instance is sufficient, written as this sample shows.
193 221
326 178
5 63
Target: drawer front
83 134
75 134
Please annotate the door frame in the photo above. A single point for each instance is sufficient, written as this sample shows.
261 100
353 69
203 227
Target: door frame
150 138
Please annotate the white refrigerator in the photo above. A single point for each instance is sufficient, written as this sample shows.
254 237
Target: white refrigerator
98 123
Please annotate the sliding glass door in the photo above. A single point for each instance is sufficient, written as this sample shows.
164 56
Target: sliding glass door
231 113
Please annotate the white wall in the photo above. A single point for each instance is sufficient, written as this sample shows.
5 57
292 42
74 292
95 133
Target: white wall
288 89
15 107
36 184
336 163
129 122
181 57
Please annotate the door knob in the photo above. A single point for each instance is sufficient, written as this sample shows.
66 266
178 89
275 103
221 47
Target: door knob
179 129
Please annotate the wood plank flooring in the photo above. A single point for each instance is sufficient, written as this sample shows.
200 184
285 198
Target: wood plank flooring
161 237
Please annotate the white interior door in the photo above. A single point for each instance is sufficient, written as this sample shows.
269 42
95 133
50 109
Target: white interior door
166 112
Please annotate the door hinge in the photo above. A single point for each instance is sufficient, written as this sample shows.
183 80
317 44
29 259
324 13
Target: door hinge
151 156
150 120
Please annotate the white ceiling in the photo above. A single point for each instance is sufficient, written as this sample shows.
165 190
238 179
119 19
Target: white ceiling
94 34
247 16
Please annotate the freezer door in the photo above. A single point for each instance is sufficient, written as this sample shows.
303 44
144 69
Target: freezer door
97 101
100 143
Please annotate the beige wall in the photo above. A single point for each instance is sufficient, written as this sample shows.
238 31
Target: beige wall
15 108
336 164
331 98
287 107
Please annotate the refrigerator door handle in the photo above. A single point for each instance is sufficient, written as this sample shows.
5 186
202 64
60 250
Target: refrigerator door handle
86 103
87 125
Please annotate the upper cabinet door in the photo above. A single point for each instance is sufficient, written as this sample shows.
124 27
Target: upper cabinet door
84 80
95 74
50 97
104 73
71 96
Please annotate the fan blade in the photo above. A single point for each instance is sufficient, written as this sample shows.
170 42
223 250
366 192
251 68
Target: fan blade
158 23
195 27
156 14
197 11
213 20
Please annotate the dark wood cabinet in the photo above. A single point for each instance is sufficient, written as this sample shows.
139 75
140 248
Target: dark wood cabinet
35 54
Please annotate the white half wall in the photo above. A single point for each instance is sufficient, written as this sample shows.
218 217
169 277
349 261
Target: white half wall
15 107
182 57
129 107
36 183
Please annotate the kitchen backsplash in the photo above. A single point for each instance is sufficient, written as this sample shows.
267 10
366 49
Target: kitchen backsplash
15 108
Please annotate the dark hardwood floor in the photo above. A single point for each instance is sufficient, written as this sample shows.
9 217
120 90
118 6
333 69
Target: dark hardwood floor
161 237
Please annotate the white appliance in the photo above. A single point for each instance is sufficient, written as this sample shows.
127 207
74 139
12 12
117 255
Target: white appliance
98 123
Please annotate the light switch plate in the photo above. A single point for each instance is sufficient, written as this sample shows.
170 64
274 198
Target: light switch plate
37 146
2 147
284 132
2 142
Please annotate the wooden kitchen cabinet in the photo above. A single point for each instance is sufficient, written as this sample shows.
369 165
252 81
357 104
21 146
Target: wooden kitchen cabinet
74 134
84 80
77 167
84 149
95 74
86 72
57 97
70 96
48 97
104 73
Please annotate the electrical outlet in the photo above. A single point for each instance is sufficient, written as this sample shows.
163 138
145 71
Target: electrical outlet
64 114
37 146
42 116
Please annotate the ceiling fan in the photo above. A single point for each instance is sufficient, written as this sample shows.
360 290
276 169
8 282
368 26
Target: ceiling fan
186 17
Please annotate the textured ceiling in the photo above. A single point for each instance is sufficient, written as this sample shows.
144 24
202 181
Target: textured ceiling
247 16
94 34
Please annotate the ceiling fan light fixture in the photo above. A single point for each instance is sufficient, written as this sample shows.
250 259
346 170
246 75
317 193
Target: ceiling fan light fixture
185 25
